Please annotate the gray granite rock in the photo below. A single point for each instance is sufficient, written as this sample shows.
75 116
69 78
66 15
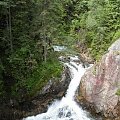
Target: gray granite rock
101 82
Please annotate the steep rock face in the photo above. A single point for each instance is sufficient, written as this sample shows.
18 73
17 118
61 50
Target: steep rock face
100 84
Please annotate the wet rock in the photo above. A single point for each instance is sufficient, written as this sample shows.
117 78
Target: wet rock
70 58
99 85
71 119
61 113
68 114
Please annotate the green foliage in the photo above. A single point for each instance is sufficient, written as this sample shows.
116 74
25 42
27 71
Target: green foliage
117 35
1 81
118 92
27 32
101 23
23 62
34 82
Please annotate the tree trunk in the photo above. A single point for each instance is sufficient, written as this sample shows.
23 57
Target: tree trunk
44 36
10 30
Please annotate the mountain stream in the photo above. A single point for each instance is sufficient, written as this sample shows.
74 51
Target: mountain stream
66 108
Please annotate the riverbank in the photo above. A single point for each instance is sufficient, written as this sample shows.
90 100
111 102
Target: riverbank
54 89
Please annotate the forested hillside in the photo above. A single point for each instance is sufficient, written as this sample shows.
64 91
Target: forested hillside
29 29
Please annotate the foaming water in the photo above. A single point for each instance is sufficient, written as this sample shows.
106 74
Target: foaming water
67 108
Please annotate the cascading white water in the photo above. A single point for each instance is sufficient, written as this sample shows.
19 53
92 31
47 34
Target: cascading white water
67 108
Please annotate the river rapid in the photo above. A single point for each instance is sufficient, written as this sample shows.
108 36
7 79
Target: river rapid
66 108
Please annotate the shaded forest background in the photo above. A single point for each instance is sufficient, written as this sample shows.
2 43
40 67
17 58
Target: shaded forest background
29 29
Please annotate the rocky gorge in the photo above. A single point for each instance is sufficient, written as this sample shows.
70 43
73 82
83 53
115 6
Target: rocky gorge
100 85
98 91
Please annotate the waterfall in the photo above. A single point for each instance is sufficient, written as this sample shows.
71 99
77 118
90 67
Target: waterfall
66 108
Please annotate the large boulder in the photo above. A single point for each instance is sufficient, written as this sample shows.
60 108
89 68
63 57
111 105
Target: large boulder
100 84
